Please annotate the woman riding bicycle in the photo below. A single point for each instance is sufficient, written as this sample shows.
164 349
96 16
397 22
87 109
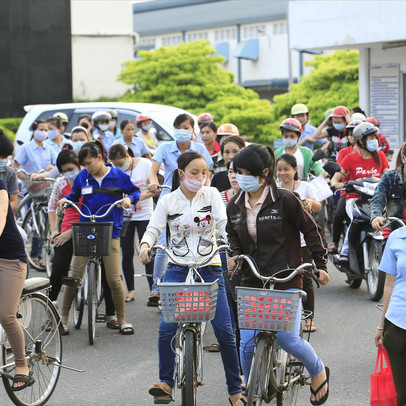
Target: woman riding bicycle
100 185
191 213
265 222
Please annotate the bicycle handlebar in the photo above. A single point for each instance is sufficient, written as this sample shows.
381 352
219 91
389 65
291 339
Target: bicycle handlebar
28 174
93 216
155 248
389 220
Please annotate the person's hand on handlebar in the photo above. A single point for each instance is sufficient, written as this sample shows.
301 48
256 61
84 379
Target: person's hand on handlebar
232 263
377 222
36 176
61 203
144 253
323 277
153 187
126 203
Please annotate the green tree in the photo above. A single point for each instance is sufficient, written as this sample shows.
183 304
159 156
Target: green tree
189 76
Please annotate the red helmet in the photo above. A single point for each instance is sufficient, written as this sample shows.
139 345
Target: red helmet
205 118
373 120
339 111
227 129
140 118
291 124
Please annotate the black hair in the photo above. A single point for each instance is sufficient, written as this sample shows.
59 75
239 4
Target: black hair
67 156
358 109
291 160
6 146
255 159
228 164
56 121
36 123
92 149
210 124
85 116
182 118
183 161
120 151
124 123
237 139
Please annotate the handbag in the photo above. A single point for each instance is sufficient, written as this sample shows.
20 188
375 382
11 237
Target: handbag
321 187
383 392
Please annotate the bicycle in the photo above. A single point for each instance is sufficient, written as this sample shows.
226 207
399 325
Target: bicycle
40 322
90 239
190 304
273 372
35 220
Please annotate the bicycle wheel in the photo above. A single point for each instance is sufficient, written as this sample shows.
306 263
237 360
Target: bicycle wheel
48 248
78 307
375 277
259 387
290 372
189 365
33 238
92 302
43 347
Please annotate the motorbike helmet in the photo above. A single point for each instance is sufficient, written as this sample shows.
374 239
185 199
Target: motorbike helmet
140 118
113 113
291 124
63 117
205 118
358 116
100 117
363 130
374 121
328 113
340 112
353 123
227 129
299 108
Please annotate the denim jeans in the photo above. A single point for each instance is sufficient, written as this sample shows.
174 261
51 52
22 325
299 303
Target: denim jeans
290 342
221 326
160 263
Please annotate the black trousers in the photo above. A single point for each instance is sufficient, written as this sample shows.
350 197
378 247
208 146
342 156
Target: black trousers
127 249
340 216
394 340
308 282
60 269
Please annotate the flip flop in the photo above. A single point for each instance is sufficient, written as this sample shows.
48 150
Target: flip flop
27 380
113 323
129 299
310 329
315 392
128 327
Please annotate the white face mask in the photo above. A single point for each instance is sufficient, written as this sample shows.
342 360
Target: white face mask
40 136
103 127
52 134
112 125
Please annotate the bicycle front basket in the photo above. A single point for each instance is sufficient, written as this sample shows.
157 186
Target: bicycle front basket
92 239
188 303
264 309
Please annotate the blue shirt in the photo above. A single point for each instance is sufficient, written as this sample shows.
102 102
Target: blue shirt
394 262
308 131
55 146
98 198
107 138
32 158
168 154
138 146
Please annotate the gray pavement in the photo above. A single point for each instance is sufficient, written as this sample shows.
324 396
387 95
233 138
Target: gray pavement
119 369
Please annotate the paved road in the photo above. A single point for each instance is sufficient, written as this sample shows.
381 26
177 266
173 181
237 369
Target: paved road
119 369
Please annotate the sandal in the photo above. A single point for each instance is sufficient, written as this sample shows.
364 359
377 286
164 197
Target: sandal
333 249
65 329
315 392
129 299
309 327
161 392
27 380
240 402
112 323
126 329
153 300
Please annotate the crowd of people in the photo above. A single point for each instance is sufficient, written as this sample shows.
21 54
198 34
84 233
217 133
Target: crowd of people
259 200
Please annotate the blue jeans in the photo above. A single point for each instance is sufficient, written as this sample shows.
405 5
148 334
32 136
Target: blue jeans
221 326
290 342
160 263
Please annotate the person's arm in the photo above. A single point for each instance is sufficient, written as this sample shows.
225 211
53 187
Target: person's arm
387 293
318 169
3 209
233 241
131 190
306 139
378 203
321 131
311 199
335 180
153 177
219 212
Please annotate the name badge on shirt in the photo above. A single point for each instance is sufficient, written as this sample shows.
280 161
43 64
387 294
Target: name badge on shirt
88 190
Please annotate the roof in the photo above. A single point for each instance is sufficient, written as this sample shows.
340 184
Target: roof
161 17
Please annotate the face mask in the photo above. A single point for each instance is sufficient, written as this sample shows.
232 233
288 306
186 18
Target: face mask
193 185
289 142
146 127
339 127
3 163
372 145
77 145
71 175
40 135
52 134
181 135
103 127
126 166
112 125
248 183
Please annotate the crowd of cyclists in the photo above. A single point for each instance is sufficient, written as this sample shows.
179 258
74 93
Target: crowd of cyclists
259 200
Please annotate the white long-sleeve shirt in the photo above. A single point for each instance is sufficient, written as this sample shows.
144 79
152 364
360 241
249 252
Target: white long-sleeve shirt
191 224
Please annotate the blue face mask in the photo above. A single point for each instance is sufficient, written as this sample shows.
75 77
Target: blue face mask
339 127
71 175
3 163
181 135
77 145
289 142
372 145
248 183
52 134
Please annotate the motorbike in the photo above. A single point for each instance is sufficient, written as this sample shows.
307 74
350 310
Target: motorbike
365 243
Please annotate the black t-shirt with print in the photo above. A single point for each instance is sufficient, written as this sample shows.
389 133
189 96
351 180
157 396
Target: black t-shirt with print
338 141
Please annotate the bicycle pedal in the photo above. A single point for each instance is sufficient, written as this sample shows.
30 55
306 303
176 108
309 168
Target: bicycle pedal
162 400
101 318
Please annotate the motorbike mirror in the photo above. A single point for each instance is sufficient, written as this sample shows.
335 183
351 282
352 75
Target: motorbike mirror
319 154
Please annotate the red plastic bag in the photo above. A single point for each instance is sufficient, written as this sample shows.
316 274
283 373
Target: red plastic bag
383 392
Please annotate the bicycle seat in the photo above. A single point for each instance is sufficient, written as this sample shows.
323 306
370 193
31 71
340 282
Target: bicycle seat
34 285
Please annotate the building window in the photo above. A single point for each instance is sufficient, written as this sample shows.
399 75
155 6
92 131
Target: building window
171 40
280 28
253 31
147 43
225 34
194 36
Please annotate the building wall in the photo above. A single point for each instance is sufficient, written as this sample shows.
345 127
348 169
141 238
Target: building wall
35 67
102 40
